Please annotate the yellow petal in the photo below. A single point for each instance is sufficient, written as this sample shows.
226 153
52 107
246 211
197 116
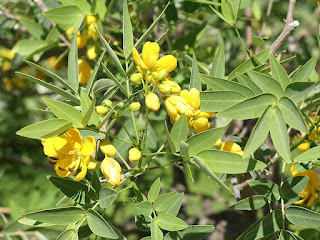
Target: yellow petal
82 173
201 125
48 148
107 148
111 170
61 172
172 111
230 147
66 163
168 63
150 54
304 146
92 164
85 71
74 138
89 146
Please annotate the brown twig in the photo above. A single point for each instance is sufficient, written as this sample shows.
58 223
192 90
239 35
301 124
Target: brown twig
6 13
249 26
267 17
288 28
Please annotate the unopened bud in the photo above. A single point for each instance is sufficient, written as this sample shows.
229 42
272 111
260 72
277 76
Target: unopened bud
175 88
164 88
108 103
111 170
135 106
134 155
101 110
161 75
153 102
107 148
120 105
136 79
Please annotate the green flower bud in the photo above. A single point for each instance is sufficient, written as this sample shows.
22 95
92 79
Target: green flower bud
135 106
120 105
136 79
101 110
162 75
108 103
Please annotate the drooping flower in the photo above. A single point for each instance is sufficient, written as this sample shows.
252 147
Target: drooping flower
231 147
111 170
188 103
309 192
69 153
149 65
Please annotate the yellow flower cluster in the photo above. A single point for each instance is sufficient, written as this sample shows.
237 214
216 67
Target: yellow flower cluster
152 69
309 192
314 136
69 153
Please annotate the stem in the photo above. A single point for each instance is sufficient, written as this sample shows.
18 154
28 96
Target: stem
104 120
282 201
124 161
243 44
135 128
127 131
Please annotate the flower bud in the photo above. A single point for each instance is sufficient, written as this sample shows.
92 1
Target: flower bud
101 110
304 146
164 88
135 106
91 53
108 103
175 88
161 75
134 155
152 102
91 163
120 105
107 148
111 170
231 147
136 79
85 71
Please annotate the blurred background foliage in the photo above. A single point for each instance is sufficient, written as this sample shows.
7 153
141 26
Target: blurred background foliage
187 27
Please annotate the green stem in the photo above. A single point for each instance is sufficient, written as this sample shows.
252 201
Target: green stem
127 131
243 44
104 120
124 161
282 201
135 127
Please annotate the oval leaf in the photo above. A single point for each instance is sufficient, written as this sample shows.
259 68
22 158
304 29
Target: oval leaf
268 189
303 217
312 154
170 223
250 203
154 190
107 197
292 187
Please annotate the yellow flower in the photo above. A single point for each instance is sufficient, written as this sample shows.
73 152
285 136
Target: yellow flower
188 103
54 64
231 147
149 65
153 102
111 170
134 155
107 148
309 192
304 146
8 84
81 38
85 71
6 66
91 53
6 53
69 153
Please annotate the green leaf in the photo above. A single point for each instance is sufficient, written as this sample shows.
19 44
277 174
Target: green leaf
303 217
116 81
26 47
112 54
90 116
73 68
154 190
250 203
107 197
218 101
99 226
45 129
311 155
50 74
184 150
278 72
60 216
77 191
163 202
144 208
235 8
195 232
98 7
251 63
127 31
292 115
69 234
169 140
244 80
95 181
144 37
34 28
298 91
156 233
67 15
170 223
143 223
102 85
227 162
266 83
257 41
65 111
279 135
249 108
287 235
303 74
259 133
206 170
292 187
222 84
179 132
218 65
83 5
91 80
227 12
195 81
204 140
268 189
175 206
51 87
218 14
266 226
